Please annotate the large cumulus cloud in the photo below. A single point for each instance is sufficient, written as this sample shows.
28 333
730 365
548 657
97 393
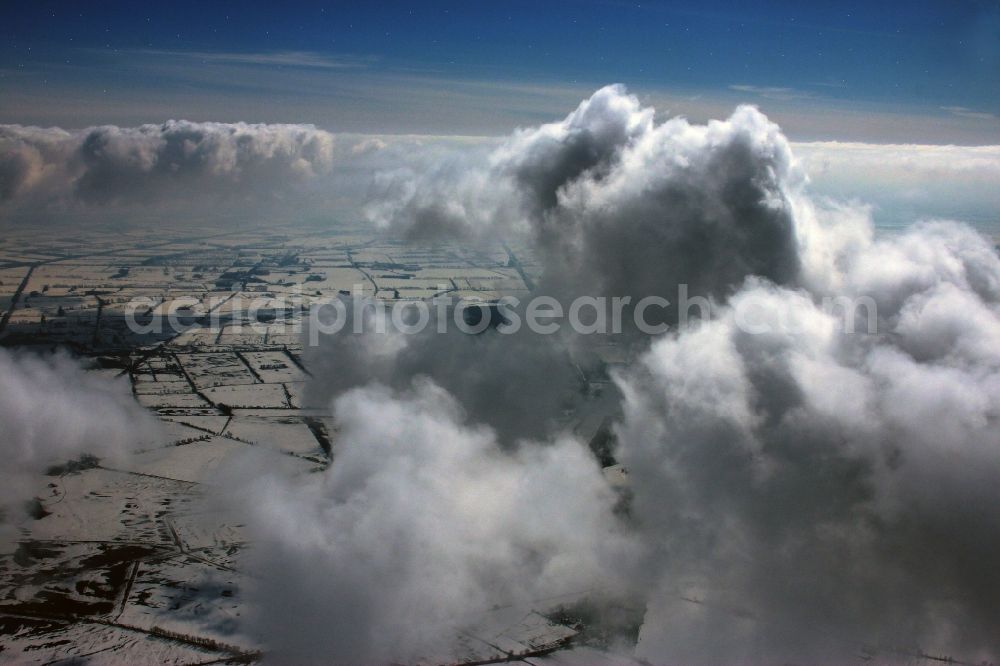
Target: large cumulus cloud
617 203
806 487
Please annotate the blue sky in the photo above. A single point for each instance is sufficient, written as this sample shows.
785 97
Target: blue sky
922 72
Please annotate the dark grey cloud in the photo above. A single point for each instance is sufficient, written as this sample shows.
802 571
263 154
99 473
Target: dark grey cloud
617 204
520 384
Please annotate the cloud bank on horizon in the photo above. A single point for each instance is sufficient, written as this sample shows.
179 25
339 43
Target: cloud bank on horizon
183 166
798 494
908 182
239 171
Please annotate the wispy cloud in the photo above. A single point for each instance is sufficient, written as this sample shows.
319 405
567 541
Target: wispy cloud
308 59
772 92
963 112
830 84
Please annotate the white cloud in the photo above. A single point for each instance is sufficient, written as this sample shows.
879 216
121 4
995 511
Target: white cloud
963 112
799 494
918 163
421 525
53 410
908 182
815 491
